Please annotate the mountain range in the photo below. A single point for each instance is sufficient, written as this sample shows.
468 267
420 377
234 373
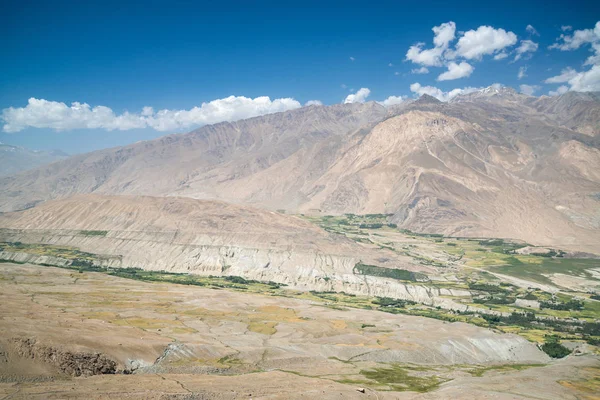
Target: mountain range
14 159
493 163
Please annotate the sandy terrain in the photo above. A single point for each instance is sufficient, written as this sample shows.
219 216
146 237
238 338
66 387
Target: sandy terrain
190 342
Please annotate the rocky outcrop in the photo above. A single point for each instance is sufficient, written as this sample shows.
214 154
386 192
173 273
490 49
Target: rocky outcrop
68 362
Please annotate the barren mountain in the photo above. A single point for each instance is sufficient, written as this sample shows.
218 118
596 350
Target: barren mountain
14 159
491 163
574 110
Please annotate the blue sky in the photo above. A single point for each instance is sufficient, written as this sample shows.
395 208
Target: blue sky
176 55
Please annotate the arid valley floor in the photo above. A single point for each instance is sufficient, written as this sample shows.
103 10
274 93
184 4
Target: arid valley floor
79 330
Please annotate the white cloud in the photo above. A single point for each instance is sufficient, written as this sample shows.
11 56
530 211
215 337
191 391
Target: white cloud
390 65
430 57
456 71
352 58
40 113
565 75
577 39
588 81
580 38
522 73
392 100
438 93
566 28
500 56
485 40
529 90
314 103
561 89
396 73
358 97
585 81
422 70
443 35
532 30
526 46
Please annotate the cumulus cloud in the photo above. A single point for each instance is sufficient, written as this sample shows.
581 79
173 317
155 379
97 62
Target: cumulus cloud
565 75
522 73
532 30
392 100
561 89
579 38
587 81
428 57
471 45
443 35
40 113
359 97
526 46
422 70
456 71
566 28
484 40
529 90
439 94
584 81
314 103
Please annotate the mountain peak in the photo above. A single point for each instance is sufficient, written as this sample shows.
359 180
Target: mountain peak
495 91
427 99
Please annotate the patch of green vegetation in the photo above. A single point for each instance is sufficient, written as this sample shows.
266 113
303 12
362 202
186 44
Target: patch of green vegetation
398 378
536 268
426 235
567 306
501 245
399 274
395 303
554 349
480 371
486 287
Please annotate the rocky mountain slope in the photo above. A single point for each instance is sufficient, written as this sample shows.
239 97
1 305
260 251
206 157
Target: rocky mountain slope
491 163
14 159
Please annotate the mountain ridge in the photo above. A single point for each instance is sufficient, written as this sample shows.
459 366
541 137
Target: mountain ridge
468 168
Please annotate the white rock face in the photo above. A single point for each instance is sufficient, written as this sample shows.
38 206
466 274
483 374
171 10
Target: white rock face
303 271
212 238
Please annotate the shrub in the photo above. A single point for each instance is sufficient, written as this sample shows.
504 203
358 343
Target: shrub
570 305
389 302
394 273
554 349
